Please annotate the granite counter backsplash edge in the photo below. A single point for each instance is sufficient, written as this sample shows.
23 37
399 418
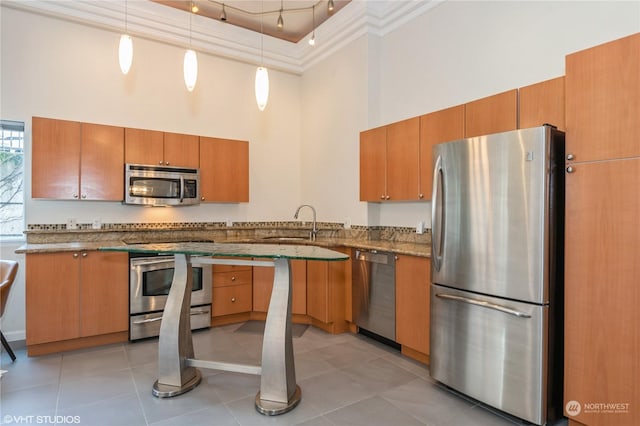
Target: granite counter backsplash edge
181 231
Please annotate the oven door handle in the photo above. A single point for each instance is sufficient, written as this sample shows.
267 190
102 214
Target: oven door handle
148 320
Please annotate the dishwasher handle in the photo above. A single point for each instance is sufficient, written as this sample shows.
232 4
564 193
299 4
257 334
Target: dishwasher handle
374 256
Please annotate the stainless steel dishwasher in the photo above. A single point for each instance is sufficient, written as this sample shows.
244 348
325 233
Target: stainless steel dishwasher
374 292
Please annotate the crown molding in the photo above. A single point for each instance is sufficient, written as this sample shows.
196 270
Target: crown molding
164 24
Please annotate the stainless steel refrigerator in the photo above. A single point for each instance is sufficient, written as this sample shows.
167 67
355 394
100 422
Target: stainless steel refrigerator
497 270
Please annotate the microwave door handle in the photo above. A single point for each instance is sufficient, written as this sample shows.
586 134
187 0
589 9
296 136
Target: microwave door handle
181 189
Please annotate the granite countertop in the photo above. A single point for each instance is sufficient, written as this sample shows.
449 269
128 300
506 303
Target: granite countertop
407 248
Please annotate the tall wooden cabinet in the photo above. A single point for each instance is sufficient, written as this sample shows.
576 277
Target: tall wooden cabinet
602 295
76 161
73 295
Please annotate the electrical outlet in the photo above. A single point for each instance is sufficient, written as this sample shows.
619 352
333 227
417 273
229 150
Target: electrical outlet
72 224
420 227
229 223
347 223
96 224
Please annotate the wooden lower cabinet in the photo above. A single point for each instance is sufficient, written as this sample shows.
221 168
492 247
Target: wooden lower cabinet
412 305
231 290
326 293
263 284
602 292
75 295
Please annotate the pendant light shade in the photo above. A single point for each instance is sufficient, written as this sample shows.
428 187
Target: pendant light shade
190 69
262 87
125 53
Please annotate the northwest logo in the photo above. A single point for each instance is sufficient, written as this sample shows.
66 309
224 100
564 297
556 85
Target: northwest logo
573 408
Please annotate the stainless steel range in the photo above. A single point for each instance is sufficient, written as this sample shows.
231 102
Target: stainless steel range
150 279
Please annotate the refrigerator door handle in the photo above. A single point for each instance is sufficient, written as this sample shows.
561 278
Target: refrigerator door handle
437 223
484 304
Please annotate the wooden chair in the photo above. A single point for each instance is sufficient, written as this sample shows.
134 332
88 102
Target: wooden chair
8 271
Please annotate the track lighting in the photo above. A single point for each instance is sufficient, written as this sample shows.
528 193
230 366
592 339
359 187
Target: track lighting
223 15
194 8
330 6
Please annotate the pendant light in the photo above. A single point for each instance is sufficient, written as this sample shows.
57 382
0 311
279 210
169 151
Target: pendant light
125 50
312 40
190 63
262 75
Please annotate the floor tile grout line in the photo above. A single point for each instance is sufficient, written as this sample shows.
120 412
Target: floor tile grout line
135 386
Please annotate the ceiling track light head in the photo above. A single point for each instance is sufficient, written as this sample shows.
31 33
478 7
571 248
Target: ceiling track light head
280 20
223 14
330 6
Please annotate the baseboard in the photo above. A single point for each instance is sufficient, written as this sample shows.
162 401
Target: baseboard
14 336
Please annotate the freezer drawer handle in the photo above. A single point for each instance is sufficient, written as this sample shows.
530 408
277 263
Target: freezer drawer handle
484 305
144 321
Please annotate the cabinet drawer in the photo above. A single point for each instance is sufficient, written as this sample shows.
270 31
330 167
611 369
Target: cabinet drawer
231 300
222 279
230 268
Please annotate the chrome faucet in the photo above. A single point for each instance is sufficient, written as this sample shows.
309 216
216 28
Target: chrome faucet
314 231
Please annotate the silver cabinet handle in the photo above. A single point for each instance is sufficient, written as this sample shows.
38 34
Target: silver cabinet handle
570 169
570 157
148 320
233 300
84 254
160 163
437 223
84 195
75 255
75 195
484 304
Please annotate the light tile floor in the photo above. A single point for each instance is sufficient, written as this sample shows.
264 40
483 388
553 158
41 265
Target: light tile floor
345 379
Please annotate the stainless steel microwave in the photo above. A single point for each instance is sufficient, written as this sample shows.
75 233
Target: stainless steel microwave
161 185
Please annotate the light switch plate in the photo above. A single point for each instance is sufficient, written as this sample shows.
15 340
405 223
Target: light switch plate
72 224
347 223
420 227
97 223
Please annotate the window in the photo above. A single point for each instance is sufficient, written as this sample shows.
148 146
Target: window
11 179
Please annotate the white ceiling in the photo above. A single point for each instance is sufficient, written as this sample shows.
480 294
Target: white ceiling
151 20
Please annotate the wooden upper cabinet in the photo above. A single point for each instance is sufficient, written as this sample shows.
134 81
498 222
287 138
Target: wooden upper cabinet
101 164
55 158
72 160
493 114
373 160
603 101
161 148
403 161
224 170
602 319
542 103
181 150
437 127
144 146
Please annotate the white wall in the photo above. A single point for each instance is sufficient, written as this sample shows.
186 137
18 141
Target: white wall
55 68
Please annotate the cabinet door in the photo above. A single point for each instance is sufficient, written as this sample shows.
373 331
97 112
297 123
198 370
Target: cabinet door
412 302
403 160
55 159
143 146
603 101
542 103
373 159
318 290
224 170
104 293
181 150
52 297
102 162
602 295
263 284
437 127
493 114
233 299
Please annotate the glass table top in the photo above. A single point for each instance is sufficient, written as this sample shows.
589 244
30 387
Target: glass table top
271 251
